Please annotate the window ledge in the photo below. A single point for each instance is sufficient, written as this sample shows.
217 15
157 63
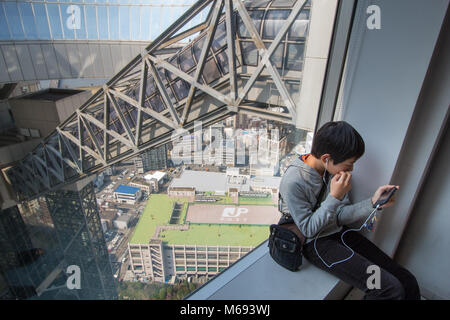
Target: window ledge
257 277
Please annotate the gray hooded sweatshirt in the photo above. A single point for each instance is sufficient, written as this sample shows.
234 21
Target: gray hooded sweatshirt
299 188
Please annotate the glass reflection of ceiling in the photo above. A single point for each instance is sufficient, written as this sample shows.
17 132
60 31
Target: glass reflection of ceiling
127 20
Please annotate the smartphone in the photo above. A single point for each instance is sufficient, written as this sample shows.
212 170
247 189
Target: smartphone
385 197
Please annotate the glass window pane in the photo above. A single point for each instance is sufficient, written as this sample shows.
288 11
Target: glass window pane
71 20
181 89
28 20
222 58
299 29
41 20
210 71
155 23
257 3
295 57
282 3
256 16
220 37
157 103
113 23
124 22
172 61
150 88
277 56
91 22
273 22
102 15
198 48
249 53
4 31
186 60
166 18
135 22
145 24
55 21
81 32
15 26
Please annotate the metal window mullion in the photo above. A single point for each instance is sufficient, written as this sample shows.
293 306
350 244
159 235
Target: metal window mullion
7 22
48 21
21 20
61 20
203 57
96 21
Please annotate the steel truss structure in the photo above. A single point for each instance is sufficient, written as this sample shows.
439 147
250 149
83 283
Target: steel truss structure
245 57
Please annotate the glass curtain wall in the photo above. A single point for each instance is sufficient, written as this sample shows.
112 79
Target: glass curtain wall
127 20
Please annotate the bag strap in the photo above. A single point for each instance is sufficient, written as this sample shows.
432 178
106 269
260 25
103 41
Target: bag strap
322 191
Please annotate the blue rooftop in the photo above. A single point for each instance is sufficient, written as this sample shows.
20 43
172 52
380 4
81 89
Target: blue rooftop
126 189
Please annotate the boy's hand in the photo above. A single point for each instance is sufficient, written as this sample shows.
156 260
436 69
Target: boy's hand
340 185
380 191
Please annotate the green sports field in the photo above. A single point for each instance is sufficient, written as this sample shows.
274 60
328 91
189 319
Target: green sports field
158 210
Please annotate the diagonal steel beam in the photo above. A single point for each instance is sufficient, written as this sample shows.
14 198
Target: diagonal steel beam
204 54
142 88
106 114
63 159
94 139
119 114
163 91
267 53
114 134
206 89
69 148
231 49
166 121
82 147
198 28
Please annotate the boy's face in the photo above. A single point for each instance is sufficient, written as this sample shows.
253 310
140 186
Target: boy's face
345 166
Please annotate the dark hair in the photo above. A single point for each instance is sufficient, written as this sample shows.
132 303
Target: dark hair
340 140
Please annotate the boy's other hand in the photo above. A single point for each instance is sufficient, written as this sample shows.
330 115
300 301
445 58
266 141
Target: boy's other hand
340 184
380 191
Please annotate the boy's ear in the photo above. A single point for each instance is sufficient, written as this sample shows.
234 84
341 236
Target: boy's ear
325 157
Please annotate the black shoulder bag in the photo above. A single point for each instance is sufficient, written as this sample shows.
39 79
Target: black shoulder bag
286 240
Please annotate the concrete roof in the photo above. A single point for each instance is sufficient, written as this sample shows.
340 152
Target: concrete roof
201 180
216 181
158 175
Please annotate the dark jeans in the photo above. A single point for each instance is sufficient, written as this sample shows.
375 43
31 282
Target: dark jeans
396 283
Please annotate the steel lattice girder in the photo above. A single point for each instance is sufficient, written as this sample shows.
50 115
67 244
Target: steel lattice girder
121 119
